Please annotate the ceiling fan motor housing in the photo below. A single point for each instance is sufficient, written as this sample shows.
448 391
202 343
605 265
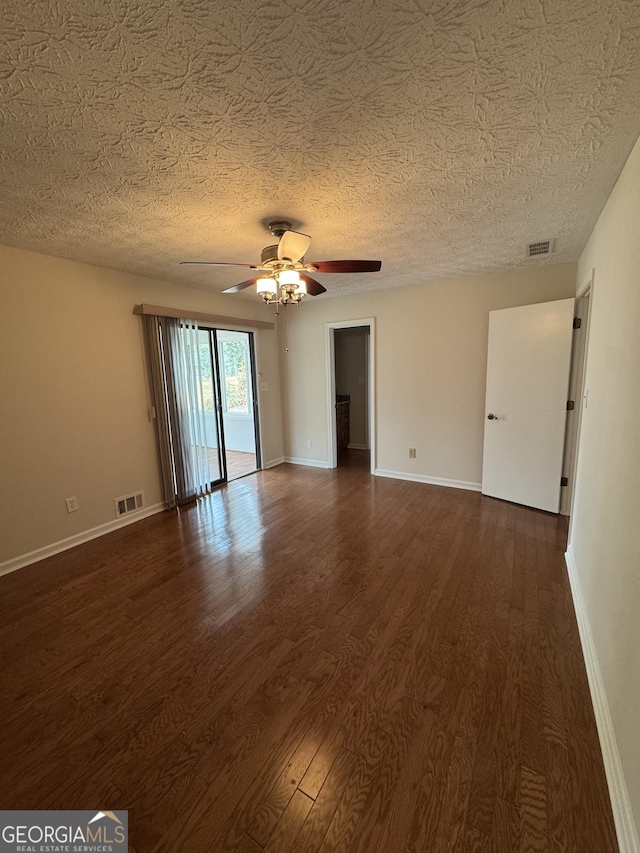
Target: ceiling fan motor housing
269 255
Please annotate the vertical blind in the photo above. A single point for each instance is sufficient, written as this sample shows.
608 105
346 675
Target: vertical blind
177 382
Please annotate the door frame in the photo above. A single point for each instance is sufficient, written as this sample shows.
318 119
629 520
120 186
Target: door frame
254 401
253 367
587 289
330 348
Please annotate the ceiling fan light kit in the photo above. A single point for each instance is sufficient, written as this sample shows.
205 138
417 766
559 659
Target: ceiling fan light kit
292 287
287 282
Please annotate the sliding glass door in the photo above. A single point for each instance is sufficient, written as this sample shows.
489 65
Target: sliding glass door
228 402
205 405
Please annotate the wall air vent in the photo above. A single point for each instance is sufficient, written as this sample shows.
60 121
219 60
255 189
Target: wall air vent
129 504
540 247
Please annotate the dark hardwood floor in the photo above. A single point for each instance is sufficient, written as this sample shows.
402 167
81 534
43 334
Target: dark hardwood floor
306 661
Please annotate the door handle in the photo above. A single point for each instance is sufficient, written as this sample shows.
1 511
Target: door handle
492 417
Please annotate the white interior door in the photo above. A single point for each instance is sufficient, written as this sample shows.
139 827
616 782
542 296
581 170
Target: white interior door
526 403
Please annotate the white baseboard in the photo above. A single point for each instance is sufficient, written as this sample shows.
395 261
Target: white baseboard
433 481
86 536
313 463
620 803
273 462
357 446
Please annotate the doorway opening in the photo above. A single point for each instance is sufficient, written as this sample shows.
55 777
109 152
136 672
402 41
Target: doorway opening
351 394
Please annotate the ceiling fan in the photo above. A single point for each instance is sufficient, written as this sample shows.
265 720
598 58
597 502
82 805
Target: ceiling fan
287 280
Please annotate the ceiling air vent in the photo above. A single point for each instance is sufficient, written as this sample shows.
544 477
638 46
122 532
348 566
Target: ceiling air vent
128 504
540 247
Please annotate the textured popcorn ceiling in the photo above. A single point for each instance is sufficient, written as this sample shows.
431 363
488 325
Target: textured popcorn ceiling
438 136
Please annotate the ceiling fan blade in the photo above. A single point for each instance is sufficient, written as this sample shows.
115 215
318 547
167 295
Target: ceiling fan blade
237 287
293 245
219 264
314 288
347 266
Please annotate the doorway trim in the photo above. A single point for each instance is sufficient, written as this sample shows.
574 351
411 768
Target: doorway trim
330 348
587 289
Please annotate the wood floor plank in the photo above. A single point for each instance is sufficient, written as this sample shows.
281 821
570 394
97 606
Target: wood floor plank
326 803
457 782
405 820
563 829
533 812
371 826
505 834
322 763
279 797
474 841
285 835
509 714
239 787
248 845
532 740
593 824
399 670
356 794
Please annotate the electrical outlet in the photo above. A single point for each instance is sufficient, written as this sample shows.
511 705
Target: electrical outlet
308 445
412 453
72 504
264 386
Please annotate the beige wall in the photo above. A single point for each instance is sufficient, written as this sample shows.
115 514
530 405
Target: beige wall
74 398
430 362
605 533
351 378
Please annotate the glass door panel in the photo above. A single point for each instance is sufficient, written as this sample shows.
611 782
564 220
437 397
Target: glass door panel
209 404
238 401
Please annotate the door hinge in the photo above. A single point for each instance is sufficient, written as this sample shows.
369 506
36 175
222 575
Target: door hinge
570 405
577 322
564 481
